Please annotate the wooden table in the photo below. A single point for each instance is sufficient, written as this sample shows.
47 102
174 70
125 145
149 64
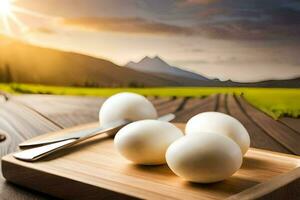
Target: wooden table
25 116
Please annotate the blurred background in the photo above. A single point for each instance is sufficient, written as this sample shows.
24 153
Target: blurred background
197 47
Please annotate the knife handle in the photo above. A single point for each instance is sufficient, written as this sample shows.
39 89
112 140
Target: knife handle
39 152
42 151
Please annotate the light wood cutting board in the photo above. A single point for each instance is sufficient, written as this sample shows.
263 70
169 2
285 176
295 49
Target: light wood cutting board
94 170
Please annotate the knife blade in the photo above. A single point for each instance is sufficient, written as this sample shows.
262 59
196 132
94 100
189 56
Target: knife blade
43 151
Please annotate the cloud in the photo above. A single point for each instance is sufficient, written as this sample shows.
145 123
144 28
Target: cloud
211 12
42 29
248 30
198 3
203 2
127 25
272 24
233 30
222 21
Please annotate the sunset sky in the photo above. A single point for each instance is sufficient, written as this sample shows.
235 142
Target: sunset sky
229 39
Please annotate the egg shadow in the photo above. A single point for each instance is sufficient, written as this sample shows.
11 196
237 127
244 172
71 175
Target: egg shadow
162 169
254 163
229 186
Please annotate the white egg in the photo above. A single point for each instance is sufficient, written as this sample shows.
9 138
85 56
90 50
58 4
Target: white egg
126 105
215 122
204 158
146 141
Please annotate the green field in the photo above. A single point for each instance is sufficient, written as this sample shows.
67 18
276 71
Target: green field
276 102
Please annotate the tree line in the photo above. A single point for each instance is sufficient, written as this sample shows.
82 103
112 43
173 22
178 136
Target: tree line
5 74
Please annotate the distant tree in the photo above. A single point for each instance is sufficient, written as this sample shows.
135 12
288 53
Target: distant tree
91 84
2 74
8 75
133 84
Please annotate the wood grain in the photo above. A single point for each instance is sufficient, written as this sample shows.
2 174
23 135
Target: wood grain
259 138
65 111
19 123
292 123
96 170
169 107
281 133
222 103
202 105
20 119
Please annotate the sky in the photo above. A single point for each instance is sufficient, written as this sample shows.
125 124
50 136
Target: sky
228 39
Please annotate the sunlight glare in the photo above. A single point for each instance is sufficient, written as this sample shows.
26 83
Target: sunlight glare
8 17
5 7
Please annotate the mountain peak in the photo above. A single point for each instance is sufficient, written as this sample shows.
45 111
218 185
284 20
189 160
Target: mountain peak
151 58
158 65
145 58
153 62
156 58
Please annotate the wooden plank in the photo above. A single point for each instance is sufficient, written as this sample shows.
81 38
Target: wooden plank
192 102
169 107
293 123
289 191
160 101
15 134
69 111
19 124
222 104
3 100
217 101
64 111
202 105
262 190
182 105
68 119
19 119
94 170
281 133
12 137
25 121
50 104
259 138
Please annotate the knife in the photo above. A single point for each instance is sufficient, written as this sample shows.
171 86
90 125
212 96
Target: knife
62 143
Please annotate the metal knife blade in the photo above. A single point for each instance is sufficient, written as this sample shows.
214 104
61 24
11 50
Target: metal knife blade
40 152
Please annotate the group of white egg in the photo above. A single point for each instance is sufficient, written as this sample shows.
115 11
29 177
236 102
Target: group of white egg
211 149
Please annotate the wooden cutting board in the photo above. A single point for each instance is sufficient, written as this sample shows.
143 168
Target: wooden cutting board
94 170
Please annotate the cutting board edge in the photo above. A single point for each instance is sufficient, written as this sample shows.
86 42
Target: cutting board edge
8 168
269 186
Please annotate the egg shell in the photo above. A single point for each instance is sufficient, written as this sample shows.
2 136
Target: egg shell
204 158
215 122
126 105
146 141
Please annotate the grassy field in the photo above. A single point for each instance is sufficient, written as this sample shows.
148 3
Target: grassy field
276 102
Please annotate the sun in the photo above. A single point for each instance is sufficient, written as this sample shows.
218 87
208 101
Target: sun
5 7
10 23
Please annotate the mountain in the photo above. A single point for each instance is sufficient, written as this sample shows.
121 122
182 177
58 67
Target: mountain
156 66
25 63
159 67
285 83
